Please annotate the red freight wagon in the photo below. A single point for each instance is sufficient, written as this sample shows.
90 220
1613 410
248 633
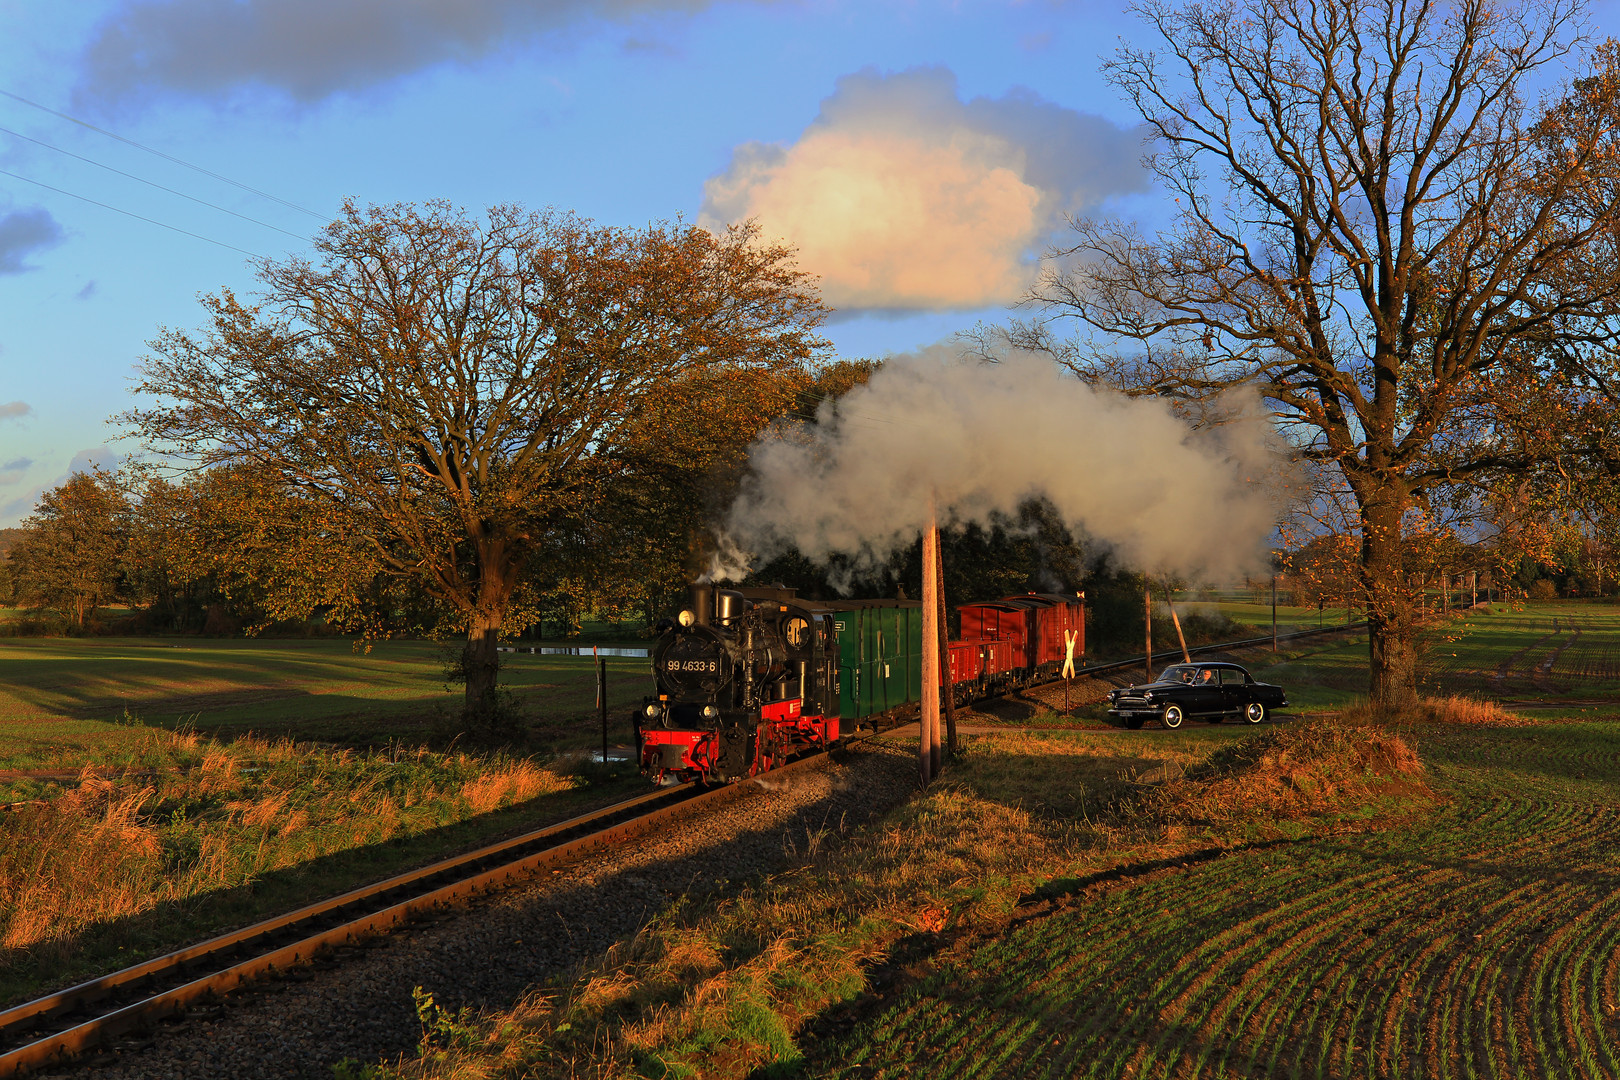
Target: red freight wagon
1051 615
984 664
1072 612
1002 659
994 620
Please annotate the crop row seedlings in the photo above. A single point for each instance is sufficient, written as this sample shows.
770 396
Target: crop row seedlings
1485 946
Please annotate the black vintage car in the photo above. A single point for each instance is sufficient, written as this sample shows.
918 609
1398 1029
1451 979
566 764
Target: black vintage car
1207 691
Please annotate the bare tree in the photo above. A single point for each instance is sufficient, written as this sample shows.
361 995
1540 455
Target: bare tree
1369 224
452 389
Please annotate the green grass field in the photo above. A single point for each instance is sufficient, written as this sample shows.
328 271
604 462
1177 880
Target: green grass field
1558 659
64 701
1483 942
1249 613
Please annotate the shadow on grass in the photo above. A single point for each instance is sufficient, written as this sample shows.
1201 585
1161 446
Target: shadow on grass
118 942
539 936
317 690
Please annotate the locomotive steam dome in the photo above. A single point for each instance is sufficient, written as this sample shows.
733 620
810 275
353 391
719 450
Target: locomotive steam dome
694 663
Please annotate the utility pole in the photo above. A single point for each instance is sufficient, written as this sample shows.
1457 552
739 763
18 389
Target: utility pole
601 701
949 688
928 756
1147 608
1169 602
1273 612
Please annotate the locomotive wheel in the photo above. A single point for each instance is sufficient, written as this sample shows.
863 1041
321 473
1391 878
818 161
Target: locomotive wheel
1172 716
1255 712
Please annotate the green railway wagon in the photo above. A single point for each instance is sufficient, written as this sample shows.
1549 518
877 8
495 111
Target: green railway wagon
879 655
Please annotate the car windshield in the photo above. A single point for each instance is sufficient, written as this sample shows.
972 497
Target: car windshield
1183 673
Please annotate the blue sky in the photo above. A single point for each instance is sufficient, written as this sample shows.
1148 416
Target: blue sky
920 154
624 111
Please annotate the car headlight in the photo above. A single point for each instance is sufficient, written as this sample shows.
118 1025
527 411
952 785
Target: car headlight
710 712
1147 695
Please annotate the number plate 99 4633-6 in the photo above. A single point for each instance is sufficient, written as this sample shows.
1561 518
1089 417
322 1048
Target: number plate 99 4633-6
693 665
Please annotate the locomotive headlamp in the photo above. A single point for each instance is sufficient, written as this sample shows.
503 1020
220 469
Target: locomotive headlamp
710 712
686 618
653 711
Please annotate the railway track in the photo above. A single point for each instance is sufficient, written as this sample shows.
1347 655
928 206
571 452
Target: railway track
51 1029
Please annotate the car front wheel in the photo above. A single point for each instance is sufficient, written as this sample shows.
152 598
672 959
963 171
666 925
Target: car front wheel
1172 716
1255 713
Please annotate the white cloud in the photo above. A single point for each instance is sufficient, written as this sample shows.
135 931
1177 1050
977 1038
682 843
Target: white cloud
15 410
310 49
902 196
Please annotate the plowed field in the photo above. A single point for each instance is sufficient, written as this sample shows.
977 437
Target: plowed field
1483 943
1567 648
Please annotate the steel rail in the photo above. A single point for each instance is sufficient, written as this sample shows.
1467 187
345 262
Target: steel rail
297 936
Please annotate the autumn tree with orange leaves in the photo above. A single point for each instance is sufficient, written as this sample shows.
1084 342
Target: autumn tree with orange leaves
451 394
69 554
1370 225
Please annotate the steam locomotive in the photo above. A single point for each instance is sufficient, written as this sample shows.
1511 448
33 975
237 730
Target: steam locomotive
746 678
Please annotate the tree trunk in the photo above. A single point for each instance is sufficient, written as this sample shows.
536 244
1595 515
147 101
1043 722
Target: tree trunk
482 661
1390 640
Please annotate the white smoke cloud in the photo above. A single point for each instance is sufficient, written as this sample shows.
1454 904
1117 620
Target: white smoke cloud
310 49
902 196
980 439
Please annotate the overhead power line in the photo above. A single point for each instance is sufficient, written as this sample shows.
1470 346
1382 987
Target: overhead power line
130 213
166 157
151 183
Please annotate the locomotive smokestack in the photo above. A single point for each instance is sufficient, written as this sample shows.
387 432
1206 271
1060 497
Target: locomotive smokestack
702 602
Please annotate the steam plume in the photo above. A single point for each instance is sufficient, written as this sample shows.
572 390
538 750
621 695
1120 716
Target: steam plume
982 439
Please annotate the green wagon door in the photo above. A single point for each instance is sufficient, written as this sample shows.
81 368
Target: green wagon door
914 646
897 661
880 632
847 626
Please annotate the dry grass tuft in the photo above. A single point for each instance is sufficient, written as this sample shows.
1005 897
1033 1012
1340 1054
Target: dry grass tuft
510 783
1285 776
1456 709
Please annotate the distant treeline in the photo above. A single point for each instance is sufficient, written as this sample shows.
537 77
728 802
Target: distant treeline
224 553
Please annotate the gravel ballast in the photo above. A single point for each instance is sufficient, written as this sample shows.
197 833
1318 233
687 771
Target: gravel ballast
358 1003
